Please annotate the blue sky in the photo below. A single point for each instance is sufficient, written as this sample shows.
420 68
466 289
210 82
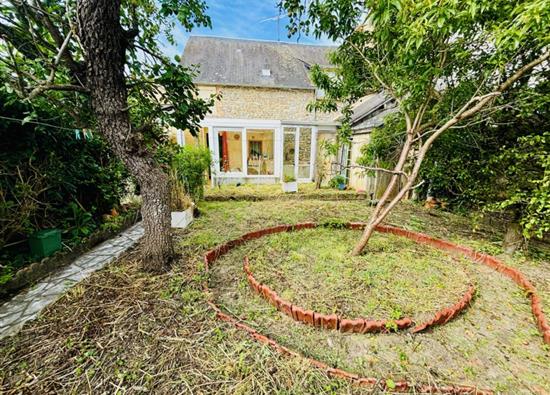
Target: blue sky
252 19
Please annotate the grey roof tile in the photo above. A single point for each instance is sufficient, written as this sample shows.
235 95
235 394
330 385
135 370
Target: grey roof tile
237 62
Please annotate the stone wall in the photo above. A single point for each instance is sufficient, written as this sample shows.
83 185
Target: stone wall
263 103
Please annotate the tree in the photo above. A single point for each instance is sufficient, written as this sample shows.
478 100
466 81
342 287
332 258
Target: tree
446 63
100 62
498 166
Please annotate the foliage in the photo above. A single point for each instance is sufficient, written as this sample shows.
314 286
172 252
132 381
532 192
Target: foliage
442 52
191 164
448 65
160 89
46 169
289 178
51 177
180 199
384 144
102 64
526 182
498 165
336 181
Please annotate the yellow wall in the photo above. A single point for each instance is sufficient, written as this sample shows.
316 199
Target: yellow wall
357 180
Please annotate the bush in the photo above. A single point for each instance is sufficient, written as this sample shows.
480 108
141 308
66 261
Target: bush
336 181
52 177
191 164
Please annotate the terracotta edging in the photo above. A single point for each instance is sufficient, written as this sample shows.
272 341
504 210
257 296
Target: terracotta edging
336 322
319 320
488 260
400 386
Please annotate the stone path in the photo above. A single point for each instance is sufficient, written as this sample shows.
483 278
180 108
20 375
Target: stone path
28 304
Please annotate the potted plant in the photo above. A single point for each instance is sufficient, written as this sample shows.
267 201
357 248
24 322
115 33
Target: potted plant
338 182
290 184
182 205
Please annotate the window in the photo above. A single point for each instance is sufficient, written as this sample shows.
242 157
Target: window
289 152
230 151
261 152
304 153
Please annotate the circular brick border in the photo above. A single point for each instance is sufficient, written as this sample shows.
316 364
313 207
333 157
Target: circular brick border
400 386
357 325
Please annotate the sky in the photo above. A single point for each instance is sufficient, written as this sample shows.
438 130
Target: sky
252 19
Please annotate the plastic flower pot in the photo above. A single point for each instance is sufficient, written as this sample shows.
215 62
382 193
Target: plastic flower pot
45 242
289 187
182 219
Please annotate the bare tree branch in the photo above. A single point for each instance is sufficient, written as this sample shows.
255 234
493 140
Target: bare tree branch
56 87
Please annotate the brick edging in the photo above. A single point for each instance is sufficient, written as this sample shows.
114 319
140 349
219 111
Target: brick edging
314 318
400 386
356 325
371 382
488 260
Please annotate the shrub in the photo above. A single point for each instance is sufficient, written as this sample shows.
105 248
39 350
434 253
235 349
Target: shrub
51 177
336 181
180 200
191 164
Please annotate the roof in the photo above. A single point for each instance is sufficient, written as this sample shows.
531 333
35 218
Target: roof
365 107
238 62
375 121
370 112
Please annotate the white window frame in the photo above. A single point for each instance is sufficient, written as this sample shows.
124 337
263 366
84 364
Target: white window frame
180 137
217 151
245 153
313 149
216 125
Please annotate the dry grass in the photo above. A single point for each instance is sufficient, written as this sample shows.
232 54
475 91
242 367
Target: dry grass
275 192
121 331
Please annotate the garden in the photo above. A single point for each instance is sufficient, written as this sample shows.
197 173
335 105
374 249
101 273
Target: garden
123 330
438 285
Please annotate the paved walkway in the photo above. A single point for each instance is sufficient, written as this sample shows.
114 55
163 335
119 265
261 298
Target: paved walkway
29 303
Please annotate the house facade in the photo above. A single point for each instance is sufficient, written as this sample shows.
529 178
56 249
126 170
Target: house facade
260 130
368 114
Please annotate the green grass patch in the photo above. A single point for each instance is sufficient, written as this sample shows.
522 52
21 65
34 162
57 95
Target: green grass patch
395 277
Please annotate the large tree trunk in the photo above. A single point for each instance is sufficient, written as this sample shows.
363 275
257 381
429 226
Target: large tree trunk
105 42
513 238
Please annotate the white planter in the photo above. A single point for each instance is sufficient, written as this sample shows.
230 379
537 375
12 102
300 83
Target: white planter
182 219
290 186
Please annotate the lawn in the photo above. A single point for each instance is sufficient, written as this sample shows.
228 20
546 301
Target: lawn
121 331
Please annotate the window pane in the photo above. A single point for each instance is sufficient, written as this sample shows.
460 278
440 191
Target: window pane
260 152
289 148
230 151
304 153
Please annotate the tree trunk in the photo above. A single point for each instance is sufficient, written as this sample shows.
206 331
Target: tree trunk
379 212
105 41
513 239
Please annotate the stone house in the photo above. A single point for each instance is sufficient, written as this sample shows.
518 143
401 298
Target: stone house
368 113
260 130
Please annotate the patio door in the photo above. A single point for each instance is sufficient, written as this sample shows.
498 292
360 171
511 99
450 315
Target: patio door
298 146
229 148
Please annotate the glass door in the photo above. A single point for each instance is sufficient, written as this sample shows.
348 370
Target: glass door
304 153
289 153
229 150
297 152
